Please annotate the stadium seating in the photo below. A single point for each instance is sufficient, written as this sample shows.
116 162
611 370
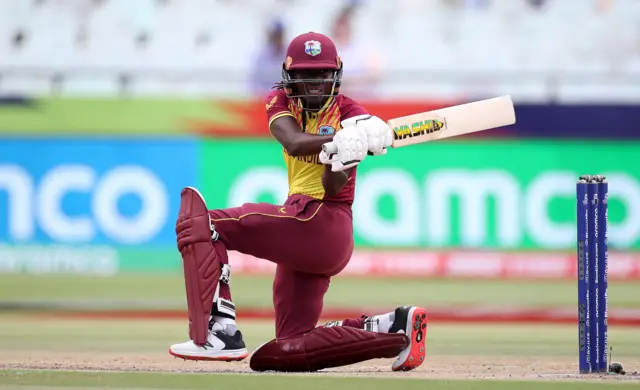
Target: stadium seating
169 44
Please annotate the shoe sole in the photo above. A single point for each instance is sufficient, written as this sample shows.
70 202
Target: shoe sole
413 356
229 357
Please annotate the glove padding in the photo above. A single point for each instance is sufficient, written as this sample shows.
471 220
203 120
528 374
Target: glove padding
352 144
379 134
325 158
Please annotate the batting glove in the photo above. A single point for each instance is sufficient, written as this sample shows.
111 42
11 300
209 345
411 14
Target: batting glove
379 134
350 146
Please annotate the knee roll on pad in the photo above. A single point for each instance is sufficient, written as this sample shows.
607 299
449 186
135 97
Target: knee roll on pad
325 348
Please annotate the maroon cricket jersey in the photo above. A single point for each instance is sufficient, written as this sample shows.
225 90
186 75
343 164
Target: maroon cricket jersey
305 172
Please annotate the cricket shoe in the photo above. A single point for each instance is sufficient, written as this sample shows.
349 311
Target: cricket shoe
220 346
412 321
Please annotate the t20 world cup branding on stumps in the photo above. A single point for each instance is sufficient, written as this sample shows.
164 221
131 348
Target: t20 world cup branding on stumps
592 215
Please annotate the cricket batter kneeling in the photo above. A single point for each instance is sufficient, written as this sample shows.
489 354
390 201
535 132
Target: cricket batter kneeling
309 237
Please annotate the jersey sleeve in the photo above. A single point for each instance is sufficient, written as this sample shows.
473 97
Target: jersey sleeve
277 106
350 108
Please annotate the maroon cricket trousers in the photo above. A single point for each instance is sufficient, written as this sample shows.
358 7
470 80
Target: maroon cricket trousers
309 240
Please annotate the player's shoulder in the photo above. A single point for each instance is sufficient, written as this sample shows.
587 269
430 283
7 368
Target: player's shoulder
277 97
345 100
349 107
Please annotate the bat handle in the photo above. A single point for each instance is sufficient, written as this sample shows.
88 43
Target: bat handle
330 148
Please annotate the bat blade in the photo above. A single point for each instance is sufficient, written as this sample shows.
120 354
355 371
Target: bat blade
448 122
452 121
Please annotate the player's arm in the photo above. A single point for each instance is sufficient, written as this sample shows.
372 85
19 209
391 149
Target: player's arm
333 182
297 143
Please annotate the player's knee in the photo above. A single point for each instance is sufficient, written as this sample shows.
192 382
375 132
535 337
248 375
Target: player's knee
326 347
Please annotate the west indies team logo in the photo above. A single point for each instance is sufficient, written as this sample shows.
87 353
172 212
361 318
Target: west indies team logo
313 48
326 130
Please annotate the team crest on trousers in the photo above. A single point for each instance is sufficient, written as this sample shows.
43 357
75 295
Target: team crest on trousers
313 48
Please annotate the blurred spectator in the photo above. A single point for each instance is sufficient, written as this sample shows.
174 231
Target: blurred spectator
604 5
537 3
469 4
362 65
267 65
19 39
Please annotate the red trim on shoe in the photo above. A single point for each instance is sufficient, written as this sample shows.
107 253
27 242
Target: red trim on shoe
418 340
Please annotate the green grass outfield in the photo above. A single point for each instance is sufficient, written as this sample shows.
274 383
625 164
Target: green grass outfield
37 352
167 291
42 334
93 380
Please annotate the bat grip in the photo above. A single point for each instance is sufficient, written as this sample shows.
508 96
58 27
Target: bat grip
330 148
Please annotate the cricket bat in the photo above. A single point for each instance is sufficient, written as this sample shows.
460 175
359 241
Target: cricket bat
448 122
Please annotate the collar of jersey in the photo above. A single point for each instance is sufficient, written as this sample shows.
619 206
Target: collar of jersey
316 113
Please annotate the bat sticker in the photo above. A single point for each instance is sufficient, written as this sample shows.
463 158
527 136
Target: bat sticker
418 128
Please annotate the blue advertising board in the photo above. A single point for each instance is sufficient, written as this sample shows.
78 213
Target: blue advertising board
93 191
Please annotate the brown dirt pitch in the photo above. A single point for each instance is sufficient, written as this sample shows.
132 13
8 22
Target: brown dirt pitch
436 367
